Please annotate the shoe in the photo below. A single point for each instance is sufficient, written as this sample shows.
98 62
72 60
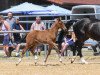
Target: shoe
96 54
17 54
39 53
10 50
5 56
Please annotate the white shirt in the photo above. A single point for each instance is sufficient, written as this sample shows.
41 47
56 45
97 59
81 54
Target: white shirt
36 26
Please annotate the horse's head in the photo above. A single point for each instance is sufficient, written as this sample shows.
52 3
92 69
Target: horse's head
60 24
69 23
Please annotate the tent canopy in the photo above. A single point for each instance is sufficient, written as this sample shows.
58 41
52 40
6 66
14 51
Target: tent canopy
57 9
25 8
54 10
29 8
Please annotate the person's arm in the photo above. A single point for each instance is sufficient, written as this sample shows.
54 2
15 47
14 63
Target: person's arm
43 26
0 28
70 39
64 39
13 27
32 27
73 36
21 27
8 28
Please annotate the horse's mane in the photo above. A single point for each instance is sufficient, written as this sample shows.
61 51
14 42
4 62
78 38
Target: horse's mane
82 22
94 20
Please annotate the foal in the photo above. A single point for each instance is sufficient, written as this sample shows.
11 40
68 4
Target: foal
48 36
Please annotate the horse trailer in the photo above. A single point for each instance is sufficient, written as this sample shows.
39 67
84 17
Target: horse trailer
85 11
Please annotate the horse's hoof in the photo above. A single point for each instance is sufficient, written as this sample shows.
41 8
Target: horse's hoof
60 60
44 63
16 64
72 61
35 63
86 62
36 57
83 61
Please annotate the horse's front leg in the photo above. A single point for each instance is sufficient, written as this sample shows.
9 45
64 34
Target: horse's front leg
35 55
48 53
58 52
74 50
82 60
78 47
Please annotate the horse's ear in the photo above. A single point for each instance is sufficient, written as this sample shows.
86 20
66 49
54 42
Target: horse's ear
59 19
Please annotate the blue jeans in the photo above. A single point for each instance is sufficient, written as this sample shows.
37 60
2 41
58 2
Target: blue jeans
6 40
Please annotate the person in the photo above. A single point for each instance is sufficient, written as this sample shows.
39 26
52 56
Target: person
67 41
38 25
7 36
11 20
17 38
94 45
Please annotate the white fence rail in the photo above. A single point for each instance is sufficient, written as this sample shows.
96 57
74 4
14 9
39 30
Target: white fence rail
16 31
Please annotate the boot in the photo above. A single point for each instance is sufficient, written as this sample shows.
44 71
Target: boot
96 54
10 51
39 53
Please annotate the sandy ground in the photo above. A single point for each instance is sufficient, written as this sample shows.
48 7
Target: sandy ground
53 67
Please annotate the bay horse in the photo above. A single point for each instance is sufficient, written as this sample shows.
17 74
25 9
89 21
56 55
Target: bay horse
84 29
48 36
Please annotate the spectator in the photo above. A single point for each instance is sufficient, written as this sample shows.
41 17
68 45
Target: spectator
17 38
7 36
94 45
38 25
10 19
67 41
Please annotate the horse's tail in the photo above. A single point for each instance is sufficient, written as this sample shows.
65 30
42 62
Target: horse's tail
23 38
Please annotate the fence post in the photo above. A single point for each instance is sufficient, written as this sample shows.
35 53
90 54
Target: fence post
27 53
45 50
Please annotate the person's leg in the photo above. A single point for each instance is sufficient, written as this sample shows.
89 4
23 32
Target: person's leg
4 48
95 50
6 45
64 46
39 49
17 49
7 51
99 44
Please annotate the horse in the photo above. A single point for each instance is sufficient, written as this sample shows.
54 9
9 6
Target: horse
84 29
48 36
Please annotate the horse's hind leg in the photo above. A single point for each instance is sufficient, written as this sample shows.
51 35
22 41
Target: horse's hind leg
48 53
23 52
